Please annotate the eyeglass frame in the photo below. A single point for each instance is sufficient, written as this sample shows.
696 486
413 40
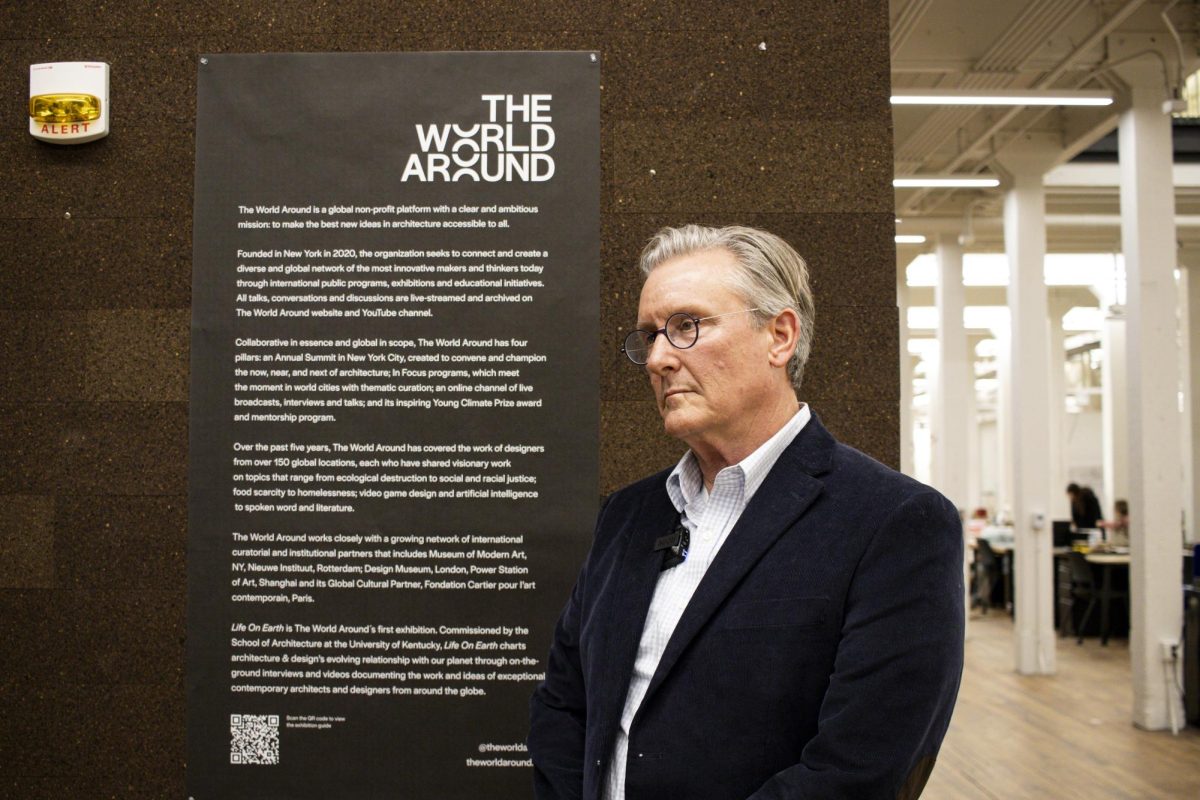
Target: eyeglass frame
663 331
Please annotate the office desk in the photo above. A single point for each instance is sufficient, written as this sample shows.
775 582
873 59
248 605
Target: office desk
1069 615
1107 561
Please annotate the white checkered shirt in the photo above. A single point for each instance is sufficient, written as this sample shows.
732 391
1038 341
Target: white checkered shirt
708 516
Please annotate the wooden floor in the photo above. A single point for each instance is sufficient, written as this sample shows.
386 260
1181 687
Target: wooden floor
1063 736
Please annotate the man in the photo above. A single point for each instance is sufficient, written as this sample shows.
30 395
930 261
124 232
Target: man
1085 507
779 616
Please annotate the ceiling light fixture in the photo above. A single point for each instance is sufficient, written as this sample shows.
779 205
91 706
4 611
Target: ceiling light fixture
1001 97
945 181
910 238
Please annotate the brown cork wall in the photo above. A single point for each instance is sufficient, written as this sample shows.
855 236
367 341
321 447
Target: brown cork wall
769 113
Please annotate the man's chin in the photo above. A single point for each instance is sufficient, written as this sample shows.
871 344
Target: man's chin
678 423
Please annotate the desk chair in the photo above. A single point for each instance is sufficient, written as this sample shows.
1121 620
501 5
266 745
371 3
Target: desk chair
987 574
1083 587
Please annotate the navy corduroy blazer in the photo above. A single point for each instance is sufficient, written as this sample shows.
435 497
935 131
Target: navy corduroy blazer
819 657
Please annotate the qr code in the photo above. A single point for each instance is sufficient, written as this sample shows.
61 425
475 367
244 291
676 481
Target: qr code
254 739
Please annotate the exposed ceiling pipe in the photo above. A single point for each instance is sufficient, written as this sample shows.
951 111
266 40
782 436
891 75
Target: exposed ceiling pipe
1022 36
1178 47
967 237
1040 36
906 22
1025 36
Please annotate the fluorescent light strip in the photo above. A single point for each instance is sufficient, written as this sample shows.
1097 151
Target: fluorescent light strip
939 181
910 238
1000 97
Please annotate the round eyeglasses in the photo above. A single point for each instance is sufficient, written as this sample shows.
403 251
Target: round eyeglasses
682 331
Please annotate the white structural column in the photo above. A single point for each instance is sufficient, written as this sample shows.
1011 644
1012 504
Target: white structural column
953 377
971 466
906 370
1057 445
1004 465
1029 391
1113 414
974 456
1190 364
1155 497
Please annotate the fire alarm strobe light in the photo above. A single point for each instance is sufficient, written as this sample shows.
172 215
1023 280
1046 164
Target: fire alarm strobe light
68 101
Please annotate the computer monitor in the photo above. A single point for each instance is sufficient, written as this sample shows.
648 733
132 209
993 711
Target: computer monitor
1062 533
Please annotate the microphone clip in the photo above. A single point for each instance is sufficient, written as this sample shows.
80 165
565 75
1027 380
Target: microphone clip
674 546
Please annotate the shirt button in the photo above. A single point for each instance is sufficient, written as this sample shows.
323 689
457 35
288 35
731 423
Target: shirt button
640 755
597 762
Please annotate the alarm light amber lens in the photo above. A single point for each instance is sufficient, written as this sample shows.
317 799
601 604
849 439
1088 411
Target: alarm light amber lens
57 108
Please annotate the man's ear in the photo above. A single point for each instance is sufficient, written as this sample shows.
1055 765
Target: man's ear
785 332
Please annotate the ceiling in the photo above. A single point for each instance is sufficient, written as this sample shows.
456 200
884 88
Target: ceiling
1031 44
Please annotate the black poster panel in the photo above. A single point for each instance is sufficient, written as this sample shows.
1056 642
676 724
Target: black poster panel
393 415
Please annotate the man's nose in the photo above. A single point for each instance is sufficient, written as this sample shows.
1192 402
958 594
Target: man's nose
662 356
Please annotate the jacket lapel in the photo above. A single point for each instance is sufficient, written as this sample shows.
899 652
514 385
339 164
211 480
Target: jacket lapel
636 577
783 497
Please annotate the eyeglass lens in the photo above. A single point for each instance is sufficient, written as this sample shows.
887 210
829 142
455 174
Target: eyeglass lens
681 329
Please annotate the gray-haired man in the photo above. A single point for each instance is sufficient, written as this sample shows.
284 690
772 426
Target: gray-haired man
779 616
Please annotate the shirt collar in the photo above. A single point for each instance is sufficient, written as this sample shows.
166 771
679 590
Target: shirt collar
685 483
